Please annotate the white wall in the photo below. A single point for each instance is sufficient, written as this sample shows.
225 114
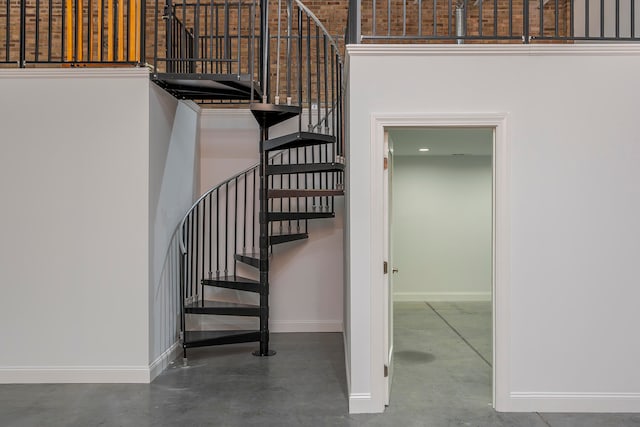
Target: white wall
574 206
442 228
74 248
173 184
306 277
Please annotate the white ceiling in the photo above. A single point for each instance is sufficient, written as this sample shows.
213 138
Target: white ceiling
441 141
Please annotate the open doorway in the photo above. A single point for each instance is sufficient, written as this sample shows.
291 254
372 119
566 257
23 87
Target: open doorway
439 240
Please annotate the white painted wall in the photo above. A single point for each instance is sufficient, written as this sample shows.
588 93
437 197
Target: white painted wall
306 276
575 238
173 185
442 228
74 299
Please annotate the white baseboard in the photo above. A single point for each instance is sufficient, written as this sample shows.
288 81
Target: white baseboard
362 403
276 326
162 361
305 326
73 374
441 296
573 402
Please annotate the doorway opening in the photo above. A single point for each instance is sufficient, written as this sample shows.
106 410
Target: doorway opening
439 241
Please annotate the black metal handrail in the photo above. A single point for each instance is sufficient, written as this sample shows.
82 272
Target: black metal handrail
72 32
304 67
526 21
223 34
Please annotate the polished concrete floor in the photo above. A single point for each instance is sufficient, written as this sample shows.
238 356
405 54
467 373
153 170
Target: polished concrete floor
442 377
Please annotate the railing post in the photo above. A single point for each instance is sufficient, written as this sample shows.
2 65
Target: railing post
142 56
23 34
264 49
525 22
168 16
354 20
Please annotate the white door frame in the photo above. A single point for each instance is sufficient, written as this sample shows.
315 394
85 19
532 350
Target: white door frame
501 241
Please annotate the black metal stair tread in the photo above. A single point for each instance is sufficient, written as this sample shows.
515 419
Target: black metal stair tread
252 259
222 308
308 192
205 338
276 239
298 139
233 282
206 86
304 168
285 216
272 114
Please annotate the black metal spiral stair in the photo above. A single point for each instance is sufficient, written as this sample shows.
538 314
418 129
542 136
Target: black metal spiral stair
227 236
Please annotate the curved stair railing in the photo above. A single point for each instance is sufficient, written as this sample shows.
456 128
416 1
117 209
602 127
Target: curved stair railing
226 237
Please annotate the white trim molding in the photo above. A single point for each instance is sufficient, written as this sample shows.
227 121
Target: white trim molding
74 374
162 362
65 73
612 49
360 403
574 402
441 296
501 243
281 326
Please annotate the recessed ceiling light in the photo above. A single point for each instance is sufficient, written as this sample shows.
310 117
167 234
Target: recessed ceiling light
423 149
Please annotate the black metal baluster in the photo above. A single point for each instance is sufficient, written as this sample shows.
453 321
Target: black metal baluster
633 18
244 222
218 40
450 14
235 224
218 232
388 17
226 228
601 18
50 32
197 253
510 19
227 39
239 71
310 127
557 19
255 208
23 33
617 19
495 17
420 18
37 35
289 26
480 15
586 17
541 8
300 68
318 88
7 34
202 266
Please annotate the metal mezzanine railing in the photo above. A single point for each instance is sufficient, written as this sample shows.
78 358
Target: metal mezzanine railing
72 32
492 21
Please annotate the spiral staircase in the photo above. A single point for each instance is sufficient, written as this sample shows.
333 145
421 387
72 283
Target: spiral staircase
278 58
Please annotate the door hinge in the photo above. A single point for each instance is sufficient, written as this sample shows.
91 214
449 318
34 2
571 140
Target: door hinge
386 163
385 267
386 371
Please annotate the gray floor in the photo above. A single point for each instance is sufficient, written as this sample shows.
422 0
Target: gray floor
442 378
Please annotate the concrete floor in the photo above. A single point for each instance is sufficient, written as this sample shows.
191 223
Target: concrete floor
442 378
